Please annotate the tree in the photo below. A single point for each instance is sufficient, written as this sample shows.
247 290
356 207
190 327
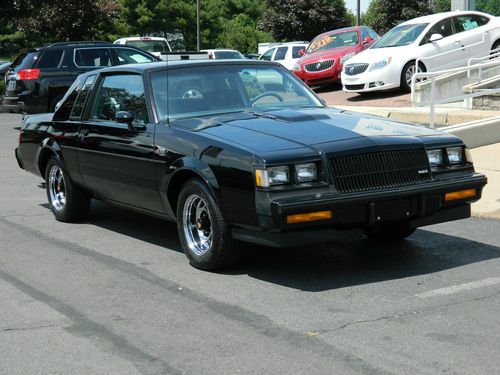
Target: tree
385 14
303 19
241 33
441 5
489 6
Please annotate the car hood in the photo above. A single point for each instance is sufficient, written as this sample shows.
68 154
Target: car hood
318 128
334 53
372 55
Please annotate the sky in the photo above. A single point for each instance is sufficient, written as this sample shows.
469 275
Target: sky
351 4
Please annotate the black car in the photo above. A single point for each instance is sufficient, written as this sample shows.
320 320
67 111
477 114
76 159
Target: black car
38 78
242 151
4 67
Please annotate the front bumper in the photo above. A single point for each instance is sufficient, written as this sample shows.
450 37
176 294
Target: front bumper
324 77
417 205
370 81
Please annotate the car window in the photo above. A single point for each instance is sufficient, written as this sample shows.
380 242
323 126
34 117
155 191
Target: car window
373 34
25 60
50 59
228 55
401 35
131 56
124 92
364 34
296 51
280 53
76 111
267 55
218 89
468 22
334 40
442 27
150 45
92 57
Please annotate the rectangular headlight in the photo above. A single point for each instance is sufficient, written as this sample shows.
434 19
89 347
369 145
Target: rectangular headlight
272 176
306 172
455 155
435 157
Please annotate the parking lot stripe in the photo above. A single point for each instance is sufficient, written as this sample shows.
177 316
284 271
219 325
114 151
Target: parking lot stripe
460 288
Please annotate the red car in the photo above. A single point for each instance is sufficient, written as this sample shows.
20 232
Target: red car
322 61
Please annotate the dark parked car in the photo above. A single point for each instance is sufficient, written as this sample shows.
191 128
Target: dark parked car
4 67
241 150
38 78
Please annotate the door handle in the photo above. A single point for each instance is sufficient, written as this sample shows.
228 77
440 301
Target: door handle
83 133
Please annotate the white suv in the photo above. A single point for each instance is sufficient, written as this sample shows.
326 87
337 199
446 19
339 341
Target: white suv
286 54
155 45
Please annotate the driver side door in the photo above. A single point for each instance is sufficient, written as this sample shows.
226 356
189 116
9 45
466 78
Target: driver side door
117 159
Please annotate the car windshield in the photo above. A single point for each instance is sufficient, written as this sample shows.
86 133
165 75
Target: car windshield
197 91
333 40
228 55
150 45
24 61
401 35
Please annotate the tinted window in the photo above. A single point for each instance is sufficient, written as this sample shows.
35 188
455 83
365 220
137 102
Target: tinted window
468 22
296 50
131 56
442 27
280 53
210 90
150 45
267 55
76 112
25 60
228 55
120 93
92 57
50 59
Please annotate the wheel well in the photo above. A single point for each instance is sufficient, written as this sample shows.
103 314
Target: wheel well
43 159
496 43
175 186
420 63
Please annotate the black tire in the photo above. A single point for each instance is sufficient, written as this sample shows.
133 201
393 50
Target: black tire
390 232
405 86
495 46
67 201
204 234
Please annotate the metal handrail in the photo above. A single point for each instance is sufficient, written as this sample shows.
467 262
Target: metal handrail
432 76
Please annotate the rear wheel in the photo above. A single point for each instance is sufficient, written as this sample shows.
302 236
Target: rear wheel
67 201
390 232
205 236
407 73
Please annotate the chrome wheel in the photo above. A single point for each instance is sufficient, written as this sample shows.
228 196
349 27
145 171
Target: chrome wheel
197 225
410 71
57 188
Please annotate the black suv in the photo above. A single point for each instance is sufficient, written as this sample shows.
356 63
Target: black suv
38 78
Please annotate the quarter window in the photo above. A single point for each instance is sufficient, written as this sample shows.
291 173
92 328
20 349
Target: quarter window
296 52
76 112
280 53
92 57
123 92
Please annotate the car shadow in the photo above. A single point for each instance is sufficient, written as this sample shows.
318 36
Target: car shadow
370 96
316 268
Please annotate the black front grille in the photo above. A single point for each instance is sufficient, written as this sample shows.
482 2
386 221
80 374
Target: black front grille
353 69
319 66
355 87
380 170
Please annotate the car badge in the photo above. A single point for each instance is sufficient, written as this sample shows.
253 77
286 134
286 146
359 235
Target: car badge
351 69
423 171
318 65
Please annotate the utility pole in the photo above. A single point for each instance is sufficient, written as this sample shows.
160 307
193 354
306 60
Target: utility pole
198 25
358 13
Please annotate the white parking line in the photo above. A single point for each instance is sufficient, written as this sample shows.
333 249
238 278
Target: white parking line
460 288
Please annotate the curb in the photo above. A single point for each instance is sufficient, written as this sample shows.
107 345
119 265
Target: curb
477 133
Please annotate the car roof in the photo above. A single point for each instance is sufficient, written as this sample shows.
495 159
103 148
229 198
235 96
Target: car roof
219 50
431 18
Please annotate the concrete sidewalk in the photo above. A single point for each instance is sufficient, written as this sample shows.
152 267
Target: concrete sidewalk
487 161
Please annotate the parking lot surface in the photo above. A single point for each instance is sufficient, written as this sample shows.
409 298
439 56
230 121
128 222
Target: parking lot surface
334 95
115 295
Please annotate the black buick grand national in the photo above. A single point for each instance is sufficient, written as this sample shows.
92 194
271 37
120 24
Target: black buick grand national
241 151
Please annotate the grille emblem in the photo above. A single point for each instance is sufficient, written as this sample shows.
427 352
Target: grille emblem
318 65
423 171
351 69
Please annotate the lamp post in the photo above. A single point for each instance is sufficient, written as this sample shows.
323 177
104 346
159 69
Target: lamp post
198 25
358 13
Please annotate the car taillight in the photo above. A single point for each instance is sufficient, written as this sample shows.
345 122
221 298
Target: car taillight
28 74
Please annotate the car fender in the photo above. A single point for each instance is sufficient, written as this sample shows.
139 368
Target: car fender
48 147
178 173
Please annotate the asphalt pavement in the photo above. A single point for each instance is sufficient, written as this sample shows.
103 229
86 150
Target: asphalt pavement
115 295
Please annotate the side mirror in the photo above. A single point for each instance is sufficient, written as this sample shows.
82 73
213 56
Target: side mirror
435 37
124 117
302 52
368 40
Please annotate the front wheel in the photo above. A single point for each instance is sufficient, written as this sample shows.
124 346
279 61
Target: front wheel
67 201
407 74
205 236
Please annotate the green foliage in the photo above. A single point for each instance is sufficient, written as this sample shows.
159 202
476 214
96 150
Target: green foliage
489 6
303 19
441 5
240 33
382 15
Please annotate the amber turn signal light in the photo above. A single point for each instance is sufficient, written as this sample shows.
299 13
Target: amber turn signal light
469 193
310 216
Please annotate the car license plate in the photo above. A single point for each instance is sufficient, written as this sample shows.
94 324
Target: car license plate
391 210
12 85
